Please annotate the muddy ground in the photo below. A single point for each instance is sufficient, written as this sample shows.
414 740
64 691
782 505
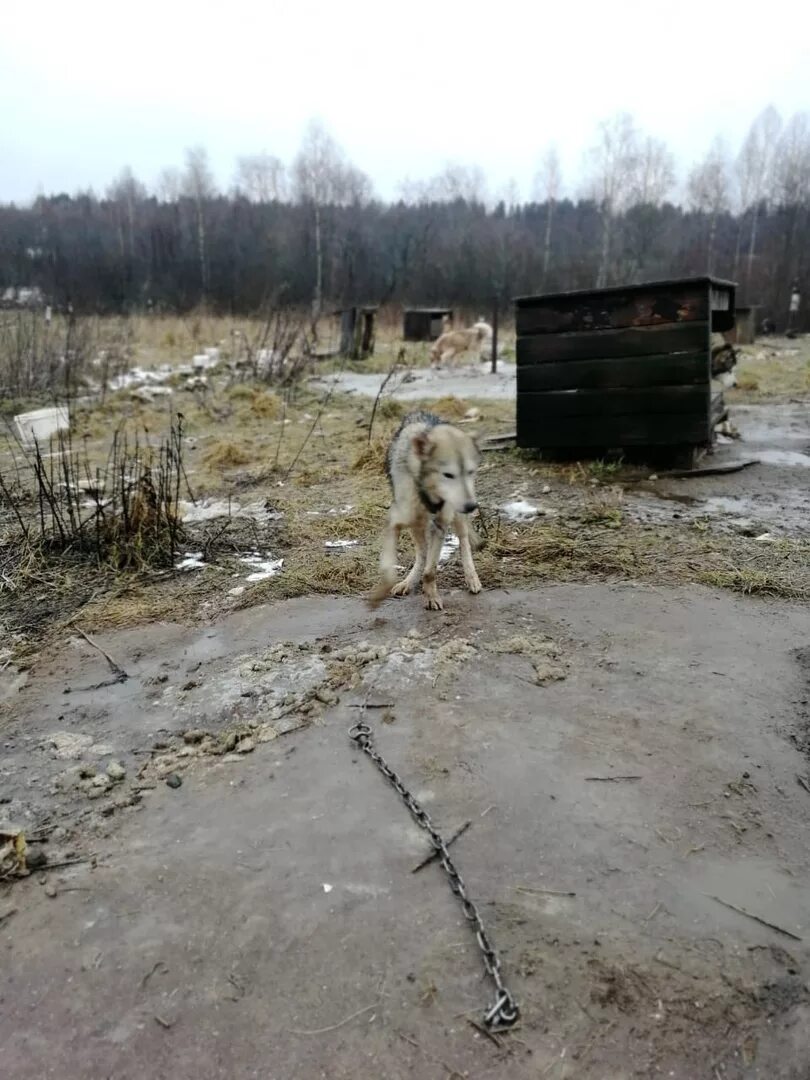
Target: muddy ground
627 757
222 886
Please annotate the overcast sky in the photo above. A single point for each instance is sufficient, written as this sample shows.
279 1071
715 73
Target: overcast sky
88 87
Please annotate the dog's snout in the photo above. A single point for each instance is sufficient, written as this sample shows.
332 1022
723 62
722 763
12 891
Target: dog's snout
469 507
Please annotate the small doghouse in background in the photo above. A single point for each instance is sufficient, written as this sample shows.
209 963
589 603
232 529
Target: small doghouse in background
424 324
621 367
744 331
357 329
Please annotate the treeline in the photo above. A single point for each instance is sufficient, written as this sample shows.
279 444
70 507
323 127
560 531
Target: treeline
314 233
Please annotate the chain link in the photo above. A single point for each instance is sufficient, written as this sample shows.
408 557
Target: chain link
504 1011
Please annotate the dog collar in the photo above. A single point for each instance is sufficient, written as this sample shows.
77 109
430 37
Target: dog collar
429 505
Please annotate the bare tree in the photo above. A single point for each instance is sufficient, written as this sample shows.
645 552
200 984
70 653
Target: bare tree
613 164
455 182
262 178
323 177
198 185
654 175
791 188
547 184
709 191
125 193
754 169
168 186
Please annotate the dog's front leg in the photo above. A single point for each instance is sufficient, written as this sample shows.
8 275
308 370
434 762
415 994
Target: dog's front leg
462 528
435 537
388 562
411 580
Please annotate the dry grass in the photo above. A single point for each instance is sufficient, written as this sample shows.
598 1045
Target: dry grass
764 372
450 408
226 454
593 538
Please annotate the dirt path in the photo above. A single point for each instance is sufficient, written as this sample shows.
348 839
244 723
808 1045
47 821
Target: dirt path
262 919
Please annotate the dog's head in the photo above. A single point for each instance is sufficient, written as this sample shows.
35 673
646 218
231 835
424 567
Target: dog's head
448 462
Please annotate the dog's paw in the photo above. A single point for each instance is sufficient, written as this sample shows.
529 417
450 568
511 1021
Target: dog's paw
473 584
433 603
402 588
380 593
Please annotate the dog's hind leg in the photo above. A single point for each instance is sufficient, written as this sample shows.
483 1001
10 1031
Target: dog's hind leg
465 550
413 577
434 546
388 562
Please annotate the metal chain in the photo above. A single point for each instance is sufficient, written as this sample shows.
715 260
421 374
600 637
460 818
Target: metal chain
504 1011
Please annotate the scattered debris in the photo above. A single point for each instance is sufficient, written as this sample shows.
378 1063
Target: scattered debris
448 547
756 918
435 853
612 779
116 771
334 545
522 510
713 470
543 652
41 424
173 780
327 888
117 670
211 509
192 560
802 782
12 853
262 568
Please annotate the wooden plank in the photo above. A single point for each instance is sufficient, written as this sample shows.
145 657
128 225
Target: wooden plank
640 306
669 369
645 401
538 432
607 344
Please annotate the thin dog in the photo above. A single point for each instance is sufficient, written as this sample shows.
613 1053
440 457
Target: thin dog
432 467
453 343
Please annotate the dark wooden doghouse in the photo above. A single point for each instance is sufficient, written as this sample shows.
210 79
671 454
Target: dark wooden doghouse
744 331
621 367
357 332
424 324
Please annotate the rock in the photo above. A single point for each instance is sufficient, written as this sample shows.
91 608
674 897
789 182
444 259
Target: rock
246 746
116 771
193 736
68 745
173 780
50 889
35 858
95 786
227 743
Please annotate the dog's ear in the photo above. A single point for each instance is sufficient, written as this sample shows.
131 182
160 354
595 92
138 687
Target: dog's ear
420 445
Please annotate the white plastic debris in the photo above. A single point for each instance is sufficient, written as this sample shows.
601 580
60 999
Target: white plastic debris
262 567
448 547
338 545
520 510
327 888
41 424
204 360
138 376
237 590
209 509
192 560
